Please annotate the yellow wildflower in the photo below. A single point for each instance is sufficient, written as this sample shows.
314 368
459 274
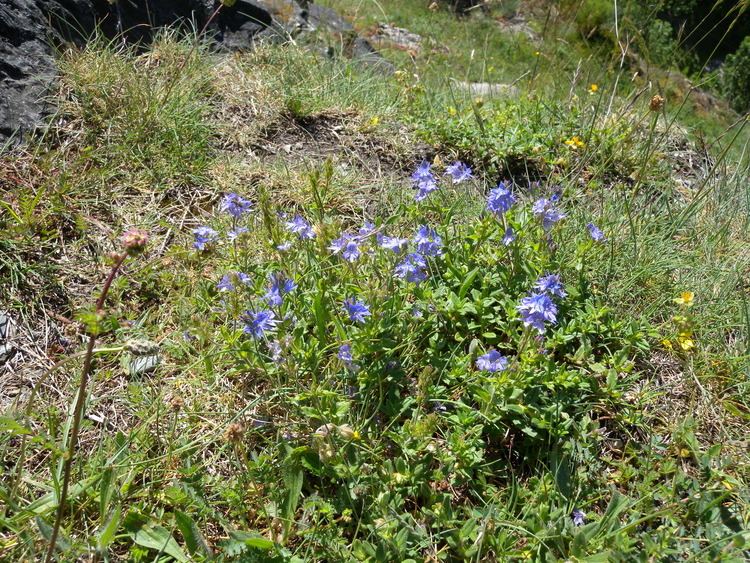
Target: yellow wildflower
593 89
575 142
686 298
452 111
667 344
374 121
686 343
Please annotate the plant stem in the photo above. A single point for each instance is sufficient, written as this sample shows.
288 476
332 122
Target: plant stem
78 413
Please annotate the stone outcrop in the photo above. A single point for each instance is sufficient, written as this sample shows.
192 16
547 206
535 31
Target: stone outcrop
31 30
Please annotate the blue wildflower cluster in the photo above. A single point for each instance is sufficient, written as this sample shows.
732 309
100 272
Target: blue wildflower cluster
229 282
548 212
258 323
538 309
425 182
301 228
492 362
279 287
205 237
500 199
235 205
356 310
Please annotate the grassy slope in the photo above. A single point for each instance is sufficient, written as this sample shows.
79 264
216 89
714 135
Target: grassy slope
154 140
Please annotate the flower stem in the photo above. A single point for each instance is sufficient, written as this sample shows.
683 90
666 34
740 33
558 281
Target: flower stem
78 413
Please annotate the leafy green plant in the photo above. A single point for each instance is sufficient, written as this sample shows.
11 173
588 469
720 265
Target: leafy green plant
735 77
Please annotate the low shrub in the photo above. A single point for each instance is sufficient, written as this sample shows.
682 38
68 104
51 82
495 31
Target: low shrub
423 363
736 77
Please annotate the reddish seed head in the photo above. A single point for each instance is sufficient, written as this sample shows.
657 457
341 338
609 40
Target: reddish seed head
134 241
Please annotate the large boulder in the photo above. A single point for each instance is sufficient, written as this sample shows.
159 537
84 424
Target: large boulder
31 30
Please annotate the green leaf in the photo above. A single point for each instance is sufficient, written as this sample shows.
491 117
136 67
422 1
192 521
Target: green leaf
252 539
470 277
13 427
193 538
146 533
108 529
62 543
293 481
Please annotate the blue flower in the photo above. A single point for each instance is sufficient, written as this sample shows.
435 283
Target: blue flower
235 205
424 180
357 310
536 309
492 362
459 172
428 242
234 234
424 190
500 199
551 285
596 233
257 324
579 517
345 354
300 227
397 245
509 236
548 212
412 268
204 237
366 230
422 173
284 246
228 281
279 287
347 246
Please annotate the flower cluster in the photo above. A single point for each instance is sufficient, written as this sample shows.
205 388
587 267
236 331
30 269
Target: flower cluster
492 362
500 199
205 237
235 205
279 287
537 309
356 310
428 241
546 210
260 322
412 268
230 281
459 172
301 228
425 182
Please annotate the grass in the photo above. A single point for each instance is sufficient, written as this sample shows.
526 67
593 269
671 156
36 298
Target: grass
633 408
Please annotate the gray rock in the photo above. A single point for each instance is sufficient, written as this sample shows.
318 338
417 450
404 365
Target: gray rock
4 326
399 36
6 352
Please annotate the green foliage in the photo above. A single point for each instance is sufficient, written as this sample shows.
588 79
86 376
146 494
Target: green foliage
735 77
595 19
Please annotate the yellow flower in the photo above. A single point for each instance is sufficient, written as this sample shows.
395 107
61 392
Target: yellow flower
374 121
593 88
686 344
575 142
686 298
452 111
667 344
